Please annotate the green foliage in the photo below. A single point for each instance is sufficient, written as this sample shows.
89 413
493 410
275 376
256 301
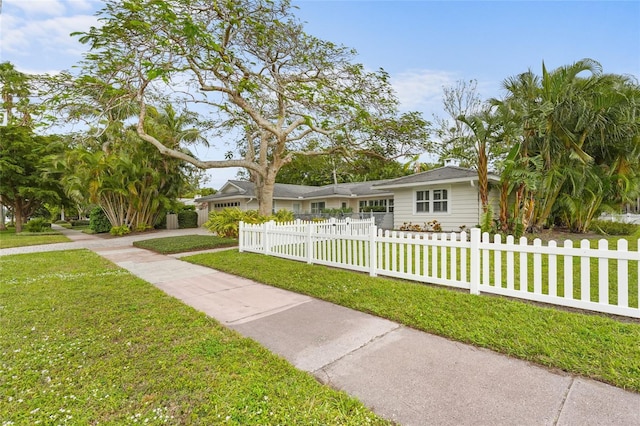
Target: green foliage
142 227
26 180
81 222
120 231
185 243
283 216
98 221
338 211
606 227
375 209
187 219
487 224
225 223
9 238
38 224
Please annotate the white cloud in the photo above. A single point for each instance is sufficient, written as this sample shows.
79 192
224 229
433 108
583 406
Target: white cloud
38 7
421 89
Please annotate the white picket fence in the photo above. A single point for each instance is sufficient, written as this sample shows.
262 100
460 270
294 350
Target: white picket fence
552 273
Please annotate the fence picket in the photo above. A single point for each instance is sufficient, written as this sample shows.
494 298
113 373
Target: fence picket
585 273
603 274
497 262
510 263
537 268
524 267
553 270
568 271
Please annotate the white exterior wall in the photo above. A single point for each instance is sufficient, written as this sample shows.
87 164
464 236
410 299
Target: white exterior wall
463 207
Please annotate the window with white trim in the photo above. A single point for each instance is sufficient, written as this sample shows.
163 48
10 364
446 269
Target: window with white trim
422 201
432 201
440 201
317 207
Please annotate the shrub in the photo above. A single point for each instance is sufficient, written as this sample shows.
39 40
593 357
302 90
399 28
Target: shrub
375 209
119 231
37 224
80 222
614 228
141 227
98 221
340 211
284 216
187 219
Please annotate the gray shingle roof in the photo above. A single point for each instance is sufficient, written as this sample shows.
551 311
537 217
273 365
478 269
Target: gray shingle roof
440 175
288 191
358 189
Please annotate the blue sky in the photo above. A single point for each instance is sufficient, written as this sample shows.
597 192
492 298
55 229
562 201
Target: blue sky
422 44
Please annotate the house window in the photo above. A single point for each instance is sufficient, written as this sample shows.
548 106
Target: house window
225 205
434 201
297 208
440 200
317 207
422 201
390 205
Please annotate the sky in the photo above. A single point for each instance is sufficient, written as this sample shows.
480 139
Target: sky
423 45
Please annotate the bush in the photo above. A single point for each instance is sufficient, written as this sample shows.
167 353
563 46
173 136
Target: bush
119 231
37 224
98 221
284 216
187 219
605 227
80 222
375 209
225 223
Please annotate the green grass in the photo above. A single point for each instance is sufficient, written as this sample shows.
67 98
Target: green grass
588 345
9 238
85 342
185 243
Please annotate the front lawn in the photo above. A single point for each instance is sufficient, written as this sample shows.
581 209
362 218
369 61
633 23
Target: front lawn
85 342
588 345
185 243
9 238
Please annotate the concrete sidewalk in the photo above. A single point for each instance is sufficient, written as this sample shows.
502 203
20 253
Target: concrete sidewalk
404 375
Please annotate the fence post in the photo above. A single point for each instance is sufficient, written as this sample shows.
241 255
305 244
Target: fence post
309 243
373 251
474 279
241 236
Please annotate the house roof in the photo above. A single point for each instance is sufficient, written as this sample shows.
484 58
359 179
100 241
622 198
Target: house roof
234 189
447 174
244 189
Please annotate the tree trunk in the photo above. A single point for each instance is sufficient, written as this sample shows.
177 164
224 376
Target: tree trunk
264 192
17 211
3 227
483 178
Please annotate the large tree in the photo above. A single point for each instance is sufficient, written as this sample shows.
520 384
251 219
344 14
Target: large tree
26 183
128 178
26 180
266 86
577 139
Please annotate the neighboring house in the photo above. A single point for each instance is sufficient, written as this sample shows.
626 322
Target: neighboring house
448 194
301 199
